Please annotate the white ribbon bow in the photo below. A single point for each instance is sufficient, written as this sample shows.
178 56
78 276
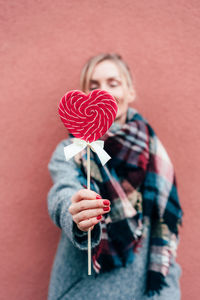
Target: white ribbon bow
78 145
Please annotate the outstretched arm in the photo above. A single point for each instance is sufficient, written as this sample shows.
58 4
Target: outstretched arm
66 178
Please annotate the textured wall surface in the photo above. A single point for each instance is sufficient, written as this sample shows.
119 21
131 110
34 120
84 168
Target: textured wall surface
43 45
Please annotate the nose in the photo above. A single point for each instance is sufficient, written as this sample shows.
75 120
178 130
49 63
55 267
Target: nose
106 88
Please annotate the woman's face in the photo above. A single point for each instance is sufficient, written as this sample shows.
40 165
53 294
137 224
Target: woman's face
106 76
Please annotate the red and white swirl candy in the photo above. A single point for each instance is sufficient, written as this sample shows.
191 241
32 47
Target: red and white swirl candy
87 117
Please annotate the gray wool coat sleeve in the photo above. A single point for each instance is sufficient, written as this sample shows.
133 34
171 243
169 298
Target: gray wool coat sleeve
66 182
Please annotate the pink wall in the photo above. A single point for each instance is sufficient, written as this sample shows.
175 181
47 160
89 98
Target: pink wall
43 47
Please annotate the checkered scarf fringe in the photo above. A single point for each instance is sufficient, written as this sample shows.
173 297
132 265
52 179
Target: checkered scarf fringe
140 182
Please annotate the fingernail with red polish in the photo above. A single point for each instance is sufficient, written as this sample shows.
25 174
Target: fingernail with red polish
98 197
99 218
106 208
106 202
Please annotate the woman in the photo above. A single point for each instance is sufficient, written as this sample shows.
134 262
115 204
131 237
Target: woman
132 208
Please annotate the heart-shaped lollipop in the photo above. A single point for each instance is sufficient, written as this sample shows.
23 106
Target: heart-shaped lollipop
88 117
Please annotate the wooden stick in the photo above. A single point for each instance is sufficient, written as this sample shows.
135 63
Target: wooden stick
89 230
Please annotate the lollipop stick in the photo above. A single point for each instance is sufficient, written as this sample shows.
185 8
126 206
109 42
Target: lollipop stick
89 230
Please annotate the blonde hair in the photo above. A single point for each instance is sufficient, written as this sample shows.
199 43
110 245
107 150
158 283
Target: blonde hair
92 62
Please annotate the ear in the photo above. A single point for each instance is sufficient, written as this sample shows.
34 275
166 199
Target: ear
131 95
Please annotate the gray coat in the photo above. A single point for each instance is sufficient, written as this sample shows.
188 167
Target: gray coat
68 278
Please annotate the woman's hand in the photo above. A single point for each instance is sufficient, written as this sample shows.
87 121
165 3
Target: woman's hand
87 207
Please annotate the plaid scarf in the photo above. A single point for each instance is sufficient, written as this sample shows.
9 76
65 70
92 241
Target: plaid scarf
140 183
